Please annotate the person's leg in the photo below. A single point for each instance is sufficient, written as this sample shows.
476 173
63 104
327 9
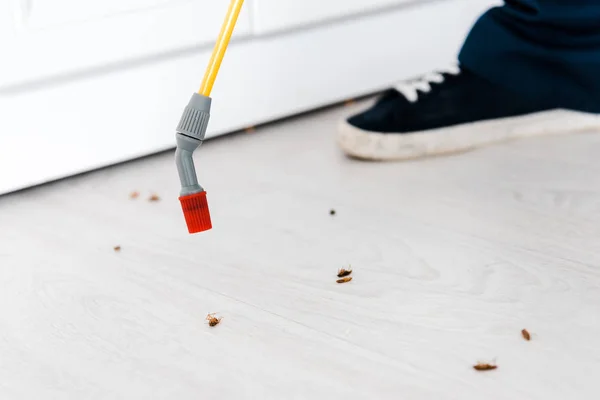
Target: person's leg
540 48
527 68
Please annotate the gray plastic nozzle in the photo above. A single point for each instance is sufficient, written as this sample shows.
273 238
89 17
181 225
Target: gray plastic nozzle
190 134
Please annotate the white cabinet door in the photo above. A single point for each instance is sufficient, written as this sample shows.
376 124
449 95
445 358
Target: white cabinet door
42 39
275 15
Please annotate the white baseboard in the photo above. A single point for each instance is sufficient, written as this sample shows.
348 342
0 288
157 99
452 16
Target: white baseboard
56 129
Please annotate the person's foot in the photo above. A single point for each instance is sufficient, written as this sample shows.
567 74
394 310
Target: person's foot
451 111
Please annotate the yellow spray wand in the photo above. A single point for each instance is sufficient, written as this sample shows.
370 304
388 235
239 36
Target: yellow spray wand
192 128
218 53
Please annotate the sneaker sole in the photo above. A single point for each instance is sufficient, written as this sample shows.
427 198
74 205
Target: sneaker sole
377 146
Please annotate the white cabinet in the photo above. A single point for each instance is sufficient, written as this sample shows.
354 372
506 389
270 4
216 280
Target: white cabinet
42 39
276 15
45 14
89 83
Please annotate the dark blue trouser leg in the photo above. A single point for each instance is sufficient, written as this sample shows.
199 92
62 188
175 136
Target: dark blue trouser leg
542 48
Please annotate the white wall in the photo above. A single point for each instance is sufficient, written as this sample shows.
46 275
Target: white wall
86 89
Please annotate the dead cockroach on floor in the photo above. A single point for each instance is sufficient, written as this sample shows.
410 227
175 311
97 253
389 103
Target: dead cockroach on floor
484 366
134 195
154 197
342 272
212 320
344 280
526 335
117 248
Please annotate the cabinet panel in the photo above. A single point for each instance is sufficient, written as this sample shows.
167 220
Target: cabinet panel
44 14
47 38
275 15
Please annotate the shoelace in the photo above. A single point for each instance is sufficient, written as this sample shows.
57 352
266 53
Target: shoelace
410 89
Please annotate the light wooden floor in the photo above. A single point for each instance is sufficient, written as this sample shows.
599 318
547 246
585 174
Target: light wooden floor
452 258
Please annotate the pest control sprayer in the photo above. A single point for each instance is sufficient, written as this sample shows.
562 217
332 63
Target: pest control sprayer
192 128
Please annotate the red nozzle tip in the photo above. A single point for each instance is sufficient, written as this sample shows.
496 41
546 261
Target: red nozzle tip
195 210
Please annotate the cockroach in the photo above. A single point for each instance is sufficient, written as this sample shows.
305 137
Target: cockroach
526 335
154 197
344 280
344 272
250 129
349 102
212 320
484 366
117 248
134 195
